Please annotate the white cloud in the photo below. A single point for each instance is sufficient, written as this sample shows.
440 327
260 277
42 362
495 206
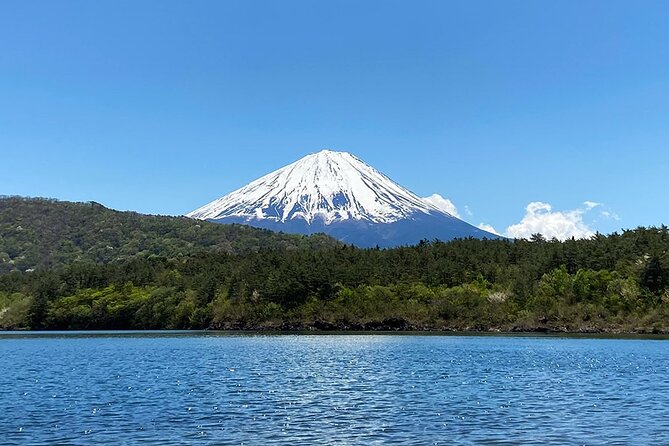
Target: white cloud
591 204
489 228
541 219
442 203
608 215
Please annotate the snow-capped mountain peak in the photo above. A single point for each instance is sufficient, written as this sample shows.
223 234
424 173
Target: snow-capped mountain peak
328 186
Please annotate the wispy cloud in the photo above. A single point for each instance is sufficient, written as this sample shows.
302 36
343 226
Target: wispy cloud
591 204
608 215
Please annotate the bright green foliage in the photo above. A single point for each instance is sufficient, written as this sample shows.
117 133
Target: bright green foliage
14 309
615 282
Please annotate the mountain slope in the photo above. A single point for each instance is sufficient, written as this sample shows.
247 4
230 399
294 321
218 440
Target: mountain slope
337 193
331 186
40 233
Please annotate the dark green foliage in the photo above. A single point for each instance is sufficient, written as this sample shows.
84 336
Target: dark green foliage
616 282
47 234
655 275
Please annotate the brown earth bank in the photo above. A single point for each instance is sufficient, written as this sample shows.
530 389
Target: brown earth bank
402 325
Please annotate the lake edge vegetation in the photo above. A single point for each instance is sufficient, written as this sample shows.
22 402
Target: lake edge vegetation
613 283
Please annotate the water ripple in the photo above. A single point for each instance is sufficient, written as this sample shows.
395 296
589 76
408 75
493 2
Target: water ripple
341 390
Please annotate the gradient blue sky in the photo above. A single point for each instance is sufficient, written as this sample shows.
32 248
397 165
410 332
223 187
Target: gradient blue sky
163 106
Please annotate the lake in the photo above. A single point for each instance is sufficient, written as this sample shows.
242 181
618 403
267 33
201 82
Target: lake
178 388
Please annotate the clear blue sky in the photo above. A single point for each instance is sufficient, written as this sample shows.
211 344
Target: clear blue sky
163 106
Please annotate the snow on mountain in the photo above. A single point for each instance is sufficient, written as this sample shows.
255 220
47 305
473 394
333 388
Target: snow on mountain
337 193
331 186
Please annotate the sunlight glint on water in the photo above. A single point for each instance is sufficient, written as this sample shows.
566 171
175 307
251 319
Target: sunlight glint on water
337 389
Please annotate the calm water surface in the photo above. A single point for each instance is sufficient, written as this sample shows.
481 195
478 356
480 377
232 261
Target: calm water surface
204 388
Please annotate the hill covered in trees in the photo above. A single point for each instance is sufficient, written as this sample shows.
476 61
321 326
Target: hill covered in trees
38 233
618 282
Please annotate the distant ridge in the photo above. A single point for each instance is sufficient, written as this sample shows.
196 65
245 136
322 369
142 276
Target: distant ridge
38 233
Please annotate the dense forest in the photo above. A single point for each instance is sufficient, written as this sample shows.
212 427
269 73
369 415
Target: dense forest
618 282
45 234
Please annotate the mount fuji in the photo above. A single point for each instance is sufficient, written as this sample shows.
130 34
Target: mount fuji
340 195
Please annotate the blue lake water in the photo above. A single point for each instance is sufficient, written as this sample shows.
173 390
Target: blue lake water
209 388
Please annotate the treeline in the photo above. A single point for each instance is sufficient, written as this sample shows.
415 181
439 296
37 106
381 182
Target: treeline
617 282
37 233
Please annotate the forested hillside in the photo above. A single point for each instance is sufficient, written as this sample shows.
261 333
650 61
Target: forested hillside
607 283
44 234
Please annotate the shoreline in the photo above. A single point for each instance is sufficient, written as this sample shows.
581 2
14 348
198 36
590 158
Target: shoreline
403 326
601 333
